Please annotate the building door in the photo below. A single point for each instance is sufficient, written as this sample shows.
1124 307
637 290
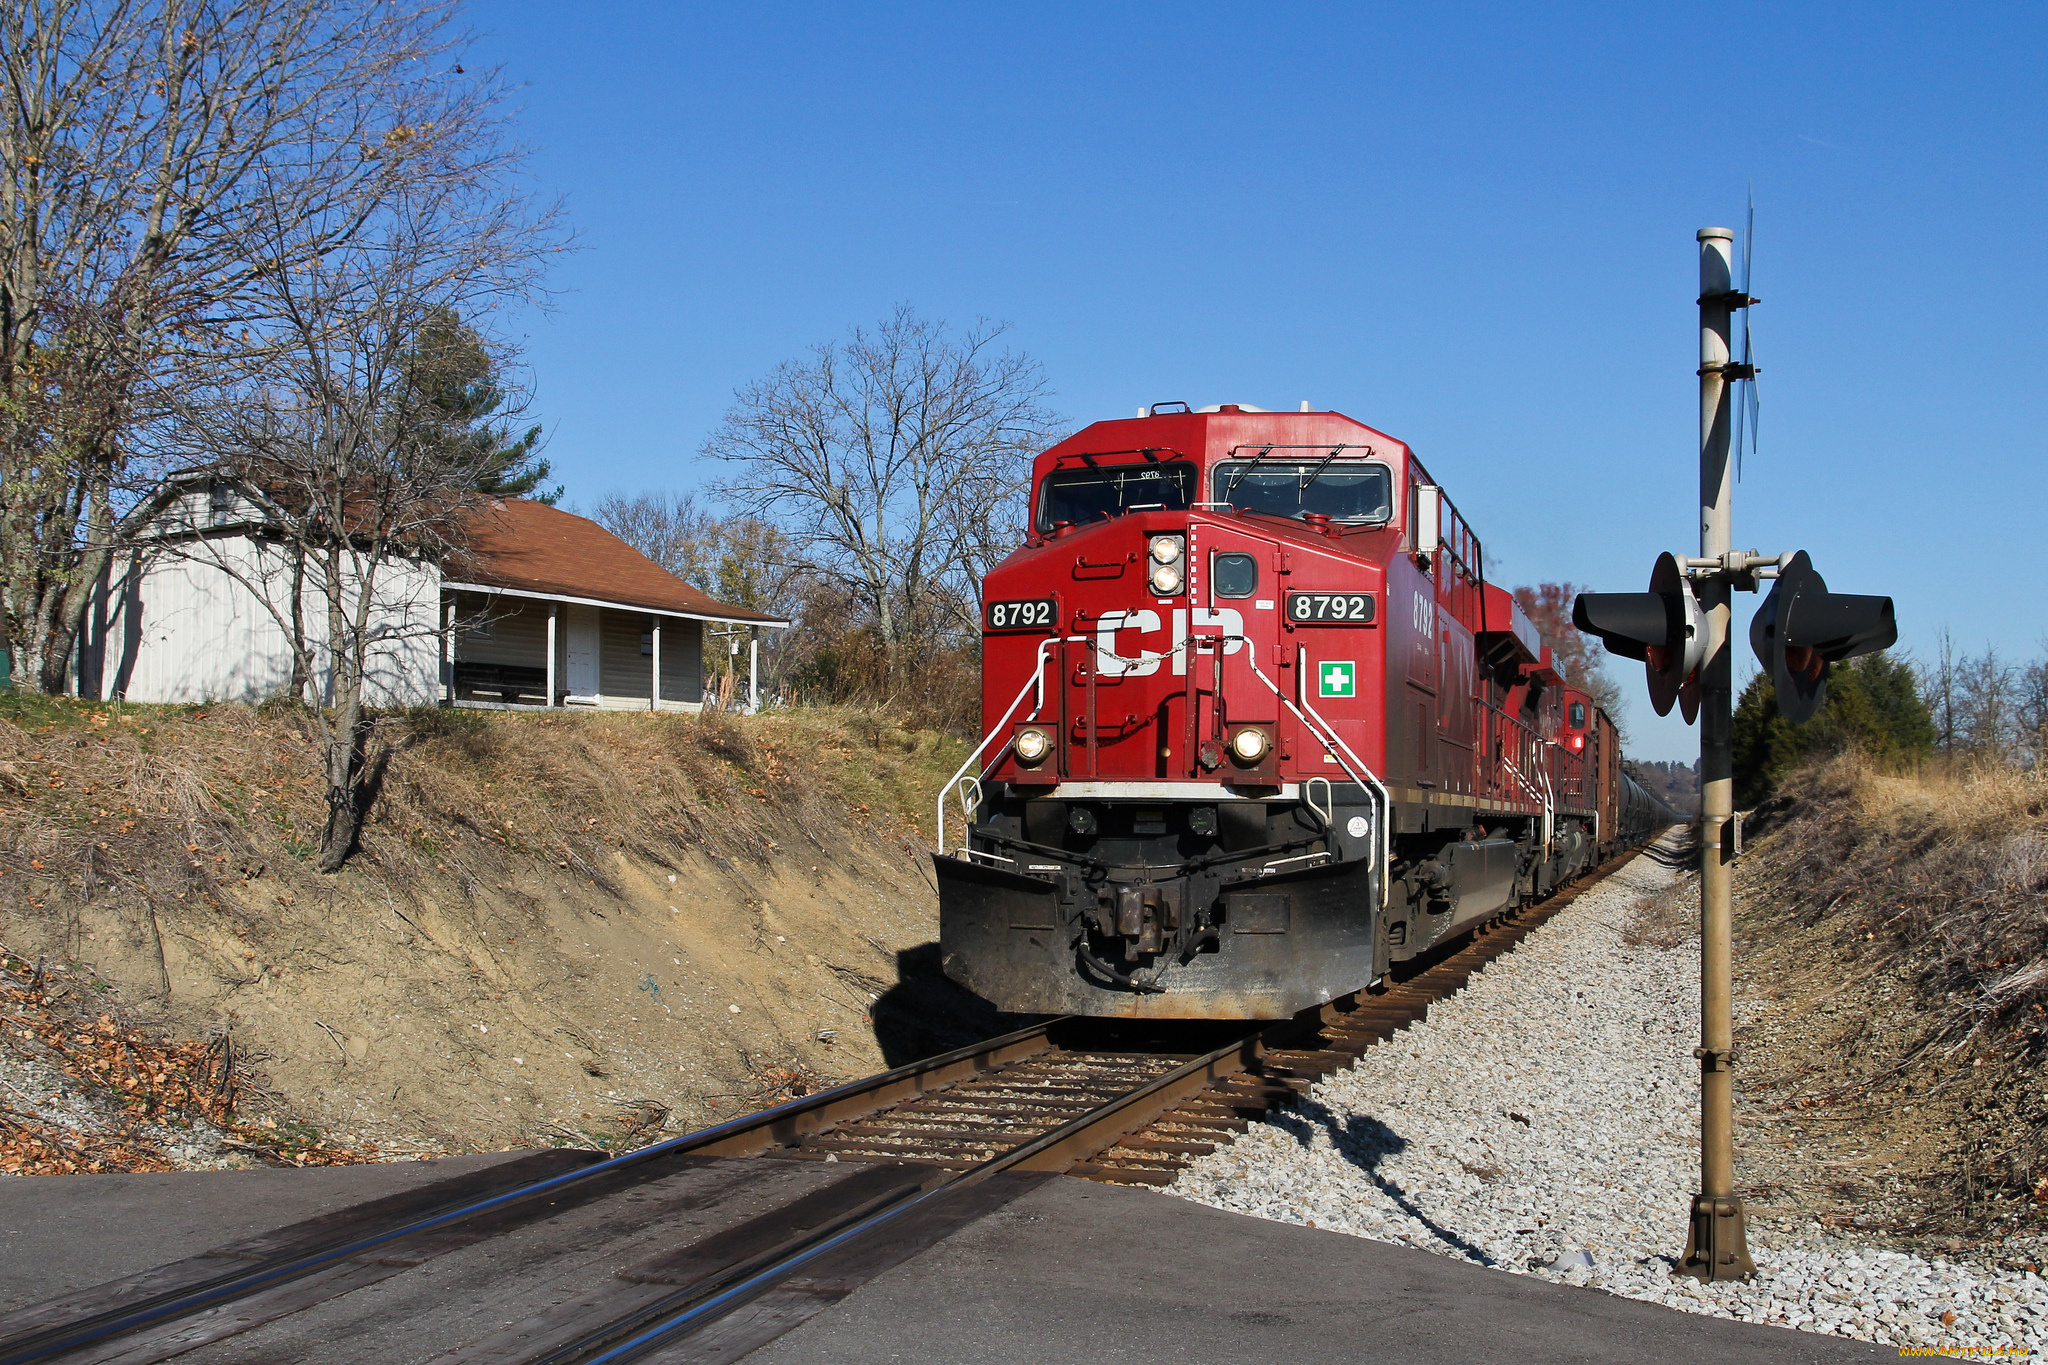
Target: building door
580 676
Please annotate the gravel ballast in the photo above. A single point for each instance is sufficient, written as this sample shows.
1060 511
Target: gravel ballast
1544 1121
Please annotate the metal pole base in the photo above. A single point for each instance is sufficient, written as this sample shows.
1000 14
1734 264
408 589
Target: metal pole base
1717 1248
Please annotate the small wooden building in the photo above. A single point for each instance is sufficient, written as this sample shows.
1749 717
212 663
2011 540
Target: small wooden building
550 609
543 608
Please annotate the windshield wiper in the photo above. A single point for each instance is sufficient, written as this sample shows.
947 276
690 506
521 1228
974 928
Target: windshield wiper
1317 472
1239 477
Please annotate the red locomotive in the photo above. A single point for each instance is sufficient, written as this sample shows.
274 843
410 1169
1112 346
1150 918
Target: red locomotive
1255 728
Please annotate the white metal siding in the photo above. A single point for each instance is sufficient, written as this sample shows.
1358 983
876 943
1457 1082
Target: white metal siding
207 621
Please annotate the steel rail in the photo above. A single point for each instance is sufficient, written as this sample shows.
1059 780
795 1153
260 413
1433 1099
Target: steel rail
745 1136
675 1316
661 1323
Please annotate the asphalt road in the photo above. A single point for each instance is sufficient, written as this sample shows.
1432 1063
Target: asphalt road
1065 1270
60 1233
1080 1271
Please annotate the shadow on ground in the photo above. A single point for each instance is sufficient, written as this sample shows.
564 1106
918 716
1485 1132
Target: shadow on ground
1366 1142
1681 852
924 1013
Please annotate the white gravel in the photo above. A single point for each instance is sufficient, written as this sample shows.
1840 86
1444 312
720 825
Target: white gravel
1550 1110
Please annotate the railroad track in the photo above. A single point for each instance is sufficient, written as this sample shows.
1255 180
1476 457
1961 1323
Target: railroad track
936 1143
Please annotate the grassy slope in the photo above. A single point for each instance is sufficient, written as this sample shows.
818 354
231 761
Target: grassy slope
558 928
1893 951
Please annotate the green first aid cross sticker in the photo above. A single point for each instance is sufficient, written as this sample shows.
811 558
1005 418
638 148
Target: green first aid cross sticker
1337 678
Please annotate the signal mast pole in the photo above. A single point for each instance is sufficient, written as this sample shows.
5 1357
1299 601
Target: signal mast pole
1680 629
1718 1245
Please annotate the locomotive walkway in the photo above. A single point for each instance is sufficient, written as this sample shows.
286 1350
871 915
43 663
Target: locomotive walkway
1067 1269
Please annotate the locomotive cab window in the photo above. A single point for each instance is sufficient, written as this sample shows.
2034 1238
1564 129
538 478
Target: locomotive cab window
1075 497
1234 576
1578 715
1347 491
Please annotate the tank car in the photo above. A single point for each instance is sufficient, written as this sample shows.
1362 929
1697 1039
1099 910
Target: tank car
1255 729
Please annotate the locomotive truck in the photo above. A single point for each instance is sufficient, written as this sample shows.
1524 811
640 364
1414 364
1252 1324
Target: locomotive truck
1256 728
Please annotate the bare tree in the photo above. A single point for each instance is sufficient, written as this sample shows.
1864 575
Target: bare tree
669 528
1938 684
148 150
880 454
1987 705
2032 686
994 509
740 560
1582 661
340 428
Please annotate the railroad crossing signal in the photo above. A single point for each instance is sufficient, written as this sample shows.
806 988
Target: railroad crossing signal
1680 629
1802 628
1337 678
1663 627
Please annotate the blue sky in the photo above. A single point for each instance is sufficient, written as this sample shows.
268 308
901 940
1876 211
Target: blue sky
1468 225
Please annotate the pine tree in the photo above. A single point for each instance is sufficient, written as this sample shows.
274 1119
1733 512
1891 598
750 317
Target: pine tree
459 377
1873 704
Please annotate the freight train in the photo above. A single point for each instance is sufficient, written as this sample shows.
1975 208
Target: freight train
1256 729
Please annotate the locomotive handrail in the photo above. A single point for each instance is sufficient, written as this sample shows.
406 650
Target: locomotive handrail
1328 810
1386 830
1540 795
1527 785
1332 742
1037 680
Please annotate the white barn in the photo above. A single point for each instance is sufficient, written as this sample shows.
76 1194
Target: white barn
542 609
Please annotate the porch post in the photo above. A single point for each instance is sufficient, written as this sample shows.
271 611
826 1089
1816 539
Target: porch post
654 693
554 610
448 652
754 672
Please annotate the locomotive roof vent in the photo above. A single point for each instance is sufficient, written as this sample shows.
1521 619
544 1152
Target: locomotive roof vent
1230 407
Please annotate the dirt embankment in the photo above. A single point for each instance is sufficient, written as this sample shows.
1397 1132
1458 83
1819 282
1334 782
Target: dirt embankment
559 928
1892 1015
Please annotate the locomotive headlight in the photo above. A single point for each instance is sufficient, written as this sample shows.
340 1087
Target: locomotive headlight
1032 746
1165 549
1249 745
1165 579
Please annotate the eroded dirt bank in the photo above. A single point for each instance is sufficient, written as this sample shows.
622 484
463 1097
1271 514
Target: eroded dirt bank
559 928
1891 970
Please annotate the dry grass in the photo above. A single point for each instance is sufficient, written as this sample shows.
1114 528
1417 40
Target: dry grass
163 805
522 862
1899 921
1949 867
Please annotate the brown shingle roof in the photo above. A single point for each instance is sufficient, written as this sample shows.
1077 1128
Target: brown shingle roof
531 547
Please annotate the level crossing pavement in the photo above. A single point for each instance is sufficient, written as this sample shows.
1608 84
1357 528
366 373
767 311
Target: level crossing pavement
1065 1269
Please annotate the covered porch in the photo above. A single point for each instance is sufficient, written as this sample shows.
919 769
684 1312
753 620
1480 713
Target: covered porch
506 648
